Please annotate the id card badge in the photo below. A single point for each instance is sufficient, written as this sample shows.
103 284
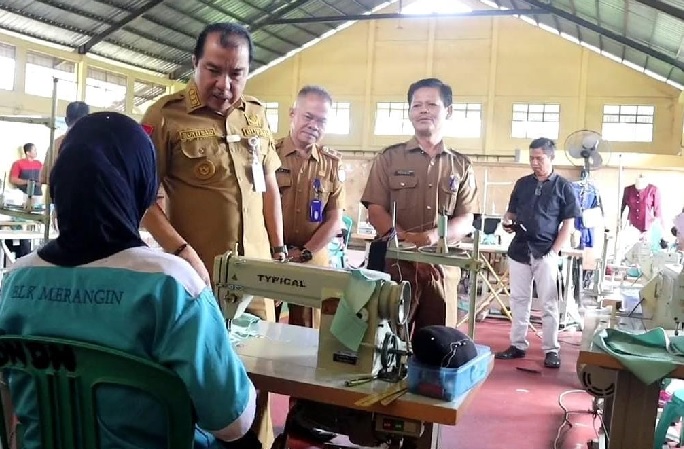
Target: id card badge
258 177
316 211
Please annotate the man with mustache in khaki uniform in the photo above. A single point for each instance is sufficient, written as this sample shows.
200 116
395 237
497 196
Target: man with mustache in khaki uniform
217 162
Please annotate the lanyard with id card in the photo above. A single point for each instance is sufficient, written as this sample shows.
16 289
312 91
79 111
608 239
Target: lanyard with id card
316 206
257 167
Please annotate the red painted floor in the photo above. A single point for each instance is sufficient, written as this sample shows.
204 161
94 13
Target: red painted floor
516 409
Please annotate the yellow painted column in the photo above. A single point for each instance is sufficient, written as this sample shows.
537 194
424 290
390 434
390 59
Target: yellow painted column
20 69
369 107
581 120
432 26
130 95
81 76
489 127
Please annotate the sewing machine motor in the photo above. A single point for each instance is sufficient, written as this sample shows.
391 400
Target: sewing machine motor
238 279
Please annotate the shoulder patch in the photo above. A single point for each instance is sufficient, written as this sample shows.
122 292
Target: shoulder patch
250 99
393 147
169 98
332 153
149 129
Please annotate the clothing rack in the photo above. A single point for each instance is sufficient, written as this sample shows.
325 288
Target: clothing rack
43 218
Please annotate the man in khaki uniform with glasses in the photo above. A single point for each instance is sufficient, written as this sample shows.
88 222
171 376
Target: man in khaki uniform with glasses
217 162
311 182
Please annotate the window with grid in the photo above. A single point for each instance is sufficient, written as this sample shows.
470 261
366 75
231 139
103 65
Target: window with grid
339 121
465 121
40 71
8 63
272 116
392 119
145 94
105 89
535 120
628 123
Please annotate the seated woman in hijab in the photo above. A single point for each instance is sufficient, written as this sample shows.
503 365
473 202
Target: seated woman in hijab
103 182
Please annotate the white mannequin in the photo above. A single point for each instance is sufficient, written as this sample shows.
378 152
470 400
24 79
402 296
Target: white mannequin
641 182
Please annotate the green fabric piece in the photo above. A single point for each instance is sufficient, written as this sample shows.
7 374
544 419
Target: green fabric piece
650 356
243 327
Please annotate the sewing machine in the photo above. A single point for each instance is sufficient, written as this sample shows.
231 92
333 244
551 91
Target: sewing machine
662 299
238 279
648 261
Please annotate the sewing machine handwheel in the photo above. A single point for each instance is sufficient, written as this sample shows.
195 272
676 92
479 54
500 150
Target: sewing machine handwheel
388 356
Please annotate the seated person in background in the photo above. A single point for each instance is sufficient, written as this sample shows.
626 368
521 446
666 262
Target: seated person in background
104 181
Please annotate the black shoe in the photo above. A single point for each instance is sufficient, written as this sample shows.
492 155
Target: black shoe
511 353
552 360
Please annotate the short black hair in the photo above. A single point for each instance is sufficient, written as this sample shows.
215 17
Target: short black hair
76 110
545 144
315 90
445 91
28 147
227 31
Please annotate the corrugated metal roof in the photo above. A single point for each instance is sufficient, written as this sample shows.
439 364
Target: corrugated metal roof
159 35
644 34
161 38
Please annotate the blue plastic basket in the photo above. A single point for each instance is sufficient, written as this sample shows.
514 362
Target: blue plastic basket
448 383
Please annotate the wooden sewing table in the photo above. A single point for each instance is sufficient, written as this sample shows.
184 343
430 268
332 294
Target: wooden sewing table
283 358
630 414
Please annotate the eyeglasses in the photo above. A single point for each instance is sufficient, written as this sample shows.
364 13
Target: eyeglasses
538 189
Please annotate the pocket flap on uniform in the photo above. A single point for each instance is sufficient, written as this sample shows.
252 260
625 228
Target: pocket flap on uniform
197 148
402 182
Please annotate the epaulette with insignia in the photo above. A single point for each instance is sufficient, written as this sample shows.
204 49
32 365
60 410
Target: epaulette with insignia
166 99
391 147
251 99
279 143
332 153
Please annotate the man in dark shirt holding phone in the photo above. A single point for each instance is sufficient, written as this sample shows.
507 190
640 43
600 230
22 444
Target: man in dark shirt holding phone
541 213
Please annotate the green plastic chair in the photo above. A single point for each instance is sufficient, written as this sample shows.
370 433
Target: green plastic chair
66 374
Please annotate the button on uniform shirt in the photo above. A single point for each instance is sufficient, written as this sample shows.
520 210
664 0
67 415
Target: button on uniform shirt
296 182
540 207
205 167
421 186
644 206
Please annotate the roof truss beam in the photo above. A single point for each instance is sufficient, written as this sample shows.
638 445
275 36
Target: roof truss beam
278 11
128 18
608 33
360 17
663 7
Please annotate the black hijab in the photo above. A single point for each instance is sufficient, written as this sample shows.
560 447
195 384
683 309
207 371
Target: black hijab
104 180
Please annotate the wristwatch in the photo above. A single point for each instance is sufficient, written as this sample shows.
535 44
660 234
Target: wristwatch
279 249
306 255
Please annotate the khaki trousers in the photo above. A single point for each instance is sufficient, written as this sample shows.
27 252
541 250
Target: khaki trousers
308 316
434 292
